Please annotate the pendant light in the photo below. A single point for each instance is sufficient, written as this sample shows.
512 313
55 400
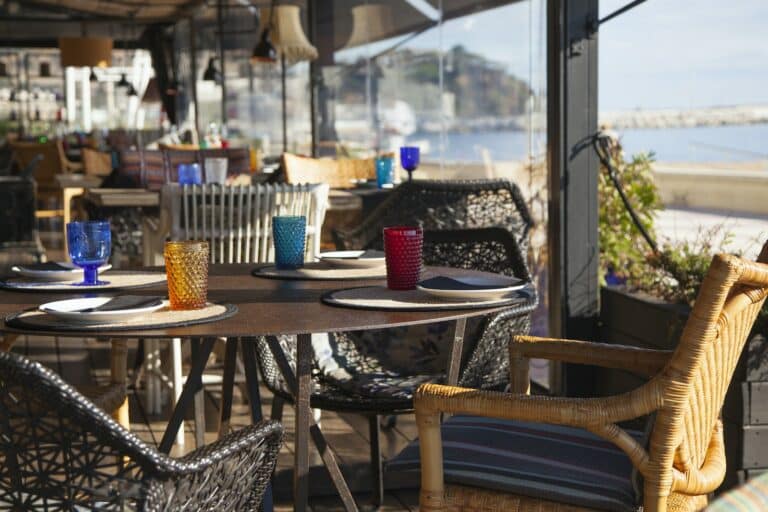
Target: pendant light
211 74
123 81
3 69
93 77
289 37
132 90
370 22
265 51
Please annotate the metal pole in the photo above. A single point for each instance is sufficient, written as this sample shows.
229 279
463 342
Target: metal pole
220 22
285 105
193 63
573 171
314 71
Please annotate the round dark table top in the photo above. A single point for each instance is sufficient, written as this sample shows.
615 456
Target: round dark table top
266 306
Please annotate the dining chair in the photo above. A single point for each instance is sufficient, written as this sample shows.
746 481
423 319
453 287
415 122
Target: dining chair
53 162
175 157
435 204
19 238
236 221
376 372
62 452
523 452
341 173
96 163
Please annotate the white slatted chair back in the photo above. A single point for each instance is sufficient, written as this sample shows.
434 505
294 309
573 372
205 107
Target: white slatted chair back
237 220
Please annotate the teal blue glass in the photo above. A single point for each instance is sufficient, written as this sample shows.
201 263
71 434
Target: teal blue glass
90 244
409 159
289 234
385 171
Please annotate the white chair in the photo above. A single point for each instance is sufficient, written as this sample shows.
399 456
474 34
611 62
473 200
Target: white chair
236 221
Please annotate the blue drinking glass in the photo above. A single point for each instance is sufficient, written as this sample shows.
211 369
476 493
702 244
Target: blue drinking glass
289 233
385 172
90 244
189 174
409 159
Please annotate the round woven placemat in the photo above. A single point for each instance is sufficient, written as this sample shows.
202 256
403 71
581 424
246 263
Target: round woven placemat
116 280
320 271
381 297
161 319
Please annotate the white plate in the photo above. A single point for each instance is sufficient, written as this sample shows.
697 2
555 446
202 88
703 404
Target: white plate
352 259
74 272
70 310
502 287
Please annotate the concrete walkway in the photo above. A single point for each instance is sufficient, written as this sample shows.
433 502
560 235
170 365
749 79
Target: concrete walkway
747 233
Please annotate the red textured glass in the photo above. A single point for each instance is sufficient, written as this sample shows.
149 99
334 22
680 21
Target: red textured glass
402 249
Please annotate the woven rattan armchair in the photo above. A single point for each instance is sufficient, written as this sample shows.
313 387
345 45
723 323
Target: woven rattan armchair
60 452
438 205
390 389
683 459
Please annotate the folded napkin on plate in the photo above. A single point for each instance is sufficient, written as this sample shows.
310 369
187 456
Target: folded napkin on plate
370 253
125 302
50 266
449 283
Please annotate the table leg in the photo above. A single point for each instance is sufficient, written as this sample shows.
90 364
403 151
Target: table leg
457 347
303 415
227 385
254 397
193 383
304 364
199 402
118 366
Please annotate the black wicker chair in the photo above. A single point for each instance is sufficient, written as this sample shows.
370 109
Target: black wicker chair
484 363
438 205
60 452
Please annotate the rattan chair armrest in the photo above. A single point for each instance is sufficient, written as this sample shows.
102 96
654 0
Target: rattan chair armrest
432 399
641 361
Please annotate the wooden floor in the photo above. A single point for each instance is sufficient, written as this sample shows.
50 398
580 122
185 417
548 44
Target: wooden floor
86 361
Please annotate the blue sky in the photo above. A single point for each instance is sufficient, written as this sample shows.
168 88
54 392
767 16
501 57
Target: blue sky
663 53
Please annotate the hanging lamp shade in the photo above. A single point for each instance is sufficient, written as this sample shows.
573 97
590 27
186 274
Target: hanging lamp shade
92 77
92 52
132 91
370 22
288 35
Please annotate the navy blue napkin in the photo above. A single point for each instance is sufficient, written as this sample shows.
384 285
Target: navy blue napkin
50 266
125 302
448 283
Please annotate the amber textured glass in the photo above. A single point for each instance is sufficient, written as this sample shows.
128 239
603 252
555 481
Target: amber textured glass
186 264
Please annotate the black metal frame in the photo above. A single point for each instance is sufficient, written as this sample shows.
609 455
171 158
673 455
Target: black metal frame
573 206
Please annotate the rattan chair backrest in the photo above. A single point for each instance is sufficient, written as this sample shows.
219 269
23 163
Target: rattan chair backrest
697 376
51 164
438 204
342 173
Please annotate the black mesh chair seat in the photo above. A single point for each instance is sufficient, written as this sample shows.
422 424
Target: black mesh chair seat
61 452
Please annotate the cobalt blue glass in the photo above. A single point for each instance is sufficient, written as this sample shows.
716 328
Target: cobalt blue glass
189 174
90 244
289 233
385 172
409 159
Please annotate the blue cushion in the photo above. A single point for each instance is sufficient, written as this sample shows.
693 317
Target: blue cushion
551 462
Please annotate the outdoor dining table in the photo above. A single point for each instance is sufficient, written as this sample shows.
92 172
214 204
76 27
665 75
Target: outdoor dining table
268 307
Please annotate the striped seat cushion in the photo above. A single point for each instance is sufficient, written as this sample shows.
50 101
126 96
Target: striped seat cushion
550 462
750 497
